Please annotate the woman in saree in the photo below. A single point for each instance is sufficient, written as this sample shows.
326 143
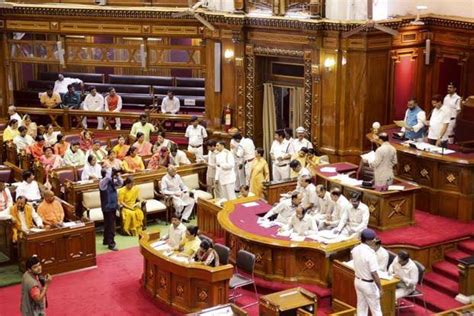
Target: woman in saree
144 147
121 148
132 162
132 214
159 159
259 173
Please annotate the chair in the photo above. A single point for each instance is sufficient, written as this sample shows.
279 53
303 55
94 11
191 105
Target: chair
391 256
149 195
416 293
244 275
204 237
192 182
223 252
91 204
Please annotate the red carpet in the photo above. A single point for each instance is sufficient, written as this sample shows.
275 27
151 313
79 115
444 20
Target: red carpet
424 233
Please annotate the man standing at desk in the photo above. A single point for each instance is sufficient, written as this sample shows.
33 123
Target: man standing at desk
385 160
367 282
415 119
452 103
225 175
438 123
196 133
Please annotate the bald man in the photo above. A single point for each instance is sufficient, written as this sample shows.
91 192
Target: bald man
172 185
50 210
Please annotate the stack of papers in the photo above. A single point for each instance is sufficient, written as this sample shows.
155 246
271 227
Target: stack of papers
296 237
179 258
250 204
369 157
73 224
36 230
265 223
346 180
328 237
328 169
285 233
396 188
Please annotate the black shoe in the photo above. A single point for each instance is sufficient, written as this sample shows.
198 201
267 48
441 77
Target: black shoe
104 243
113 248
185 221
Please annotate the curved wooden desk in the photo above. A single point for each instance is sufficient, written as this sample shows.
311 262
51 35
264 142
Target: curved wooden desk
278 258
388 209
185 287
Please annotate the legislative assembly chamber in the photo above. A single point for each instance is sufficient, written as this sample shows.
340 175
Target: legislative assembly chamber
237 157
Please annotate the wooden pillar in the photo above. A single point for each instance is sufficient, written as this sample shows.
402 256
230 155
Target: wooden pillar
466 280
6 90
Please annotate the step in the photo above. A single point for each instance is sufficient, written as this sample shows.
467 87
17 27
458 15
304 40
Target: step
453 256
442 283
435 300
467 246
447 269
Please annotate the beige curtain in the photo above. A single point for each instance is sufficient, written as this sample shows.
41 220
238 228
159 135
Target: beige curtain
296 106
269 118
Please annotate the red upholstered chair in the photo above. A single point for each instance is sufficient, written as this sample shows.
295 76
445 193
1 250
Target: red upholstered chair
5 175
463 132
79 172
59 178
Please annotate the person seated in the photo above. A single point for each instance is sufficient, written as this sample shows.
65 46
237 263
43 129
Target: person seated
382 255
142 127
92 169
309 197
300 223
74 156
190 244
93 102
50 210
11 131
172 185
299 156
29 188
37 148
170 104
111 161
6 200
160 159
406 270
207 255
51 136
341 205
244 191
97 151
113 103
23 140
71 99
143 146
415 119
132 214
61 85
355 219
13 115
313 159
178 157
61 146
284 209
325 203
86 140
24 218
132 162
176 232
50 99
300 172
161 142
121 148
50 161
30 125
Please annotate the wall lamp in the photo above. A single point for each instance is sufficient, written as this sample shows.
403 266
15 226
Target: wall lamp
329 63
228 55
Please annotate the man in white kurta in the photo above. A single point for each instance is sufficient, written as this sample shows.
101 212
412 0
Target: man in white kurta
248 151
382 255
195 133
176 232
438 123
172 185
383 164
325 204
280 153
210 159
300 141
225 175
170 104
238 152
94 101
23 141
302 224
29 187
341 206
60 85
285 209
355 219
178 157
309 196
406 270
452 102
301 171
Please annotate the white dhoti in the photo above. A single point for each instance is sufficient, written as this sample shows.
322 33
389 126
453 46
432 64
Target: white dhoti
280 172
450 130
197 151
402 290
247 166
183 205
368 297
227 191
239 176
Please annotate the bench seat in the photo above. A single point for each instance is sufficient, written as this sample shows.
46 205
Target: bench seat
141 80
85 77
193 91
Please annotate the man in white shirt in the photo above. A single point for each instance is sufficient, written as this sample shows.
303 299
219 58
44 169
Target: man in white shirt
113 103
210 159
170 104
14 115
355 219
415 119
285 209
178 157
249 155
341 207
309 196
195 133
406 270
301 224
300 141
60 85
176 232
143 127
325 204
23 141
367 282
383 164
296 166
29 187
94 102
172 185
280 153
225 175
452 103
438 123
238 152
382 255
74 155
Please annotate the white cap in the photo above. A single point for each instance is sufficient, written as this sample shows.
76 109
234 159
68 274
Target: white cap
300 129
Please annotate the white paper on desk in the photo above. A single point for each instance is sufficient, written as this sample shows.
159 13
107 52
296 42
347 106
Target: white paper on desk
349 263
369 157
74 224
384 275
328 169
84 181
179 259
285 233
36 230
250 204
296 237
396 187
163 247
158 243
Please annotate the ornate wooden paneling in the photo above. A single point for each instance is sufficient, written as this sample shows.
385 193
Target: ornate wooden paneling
102 28
36 26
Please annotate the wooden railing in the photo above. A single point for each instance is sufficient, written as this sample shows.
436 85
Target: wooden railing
315 8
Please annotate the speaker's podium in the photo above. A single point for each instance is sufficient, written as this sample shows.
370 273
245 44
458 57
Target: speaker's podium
296 301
